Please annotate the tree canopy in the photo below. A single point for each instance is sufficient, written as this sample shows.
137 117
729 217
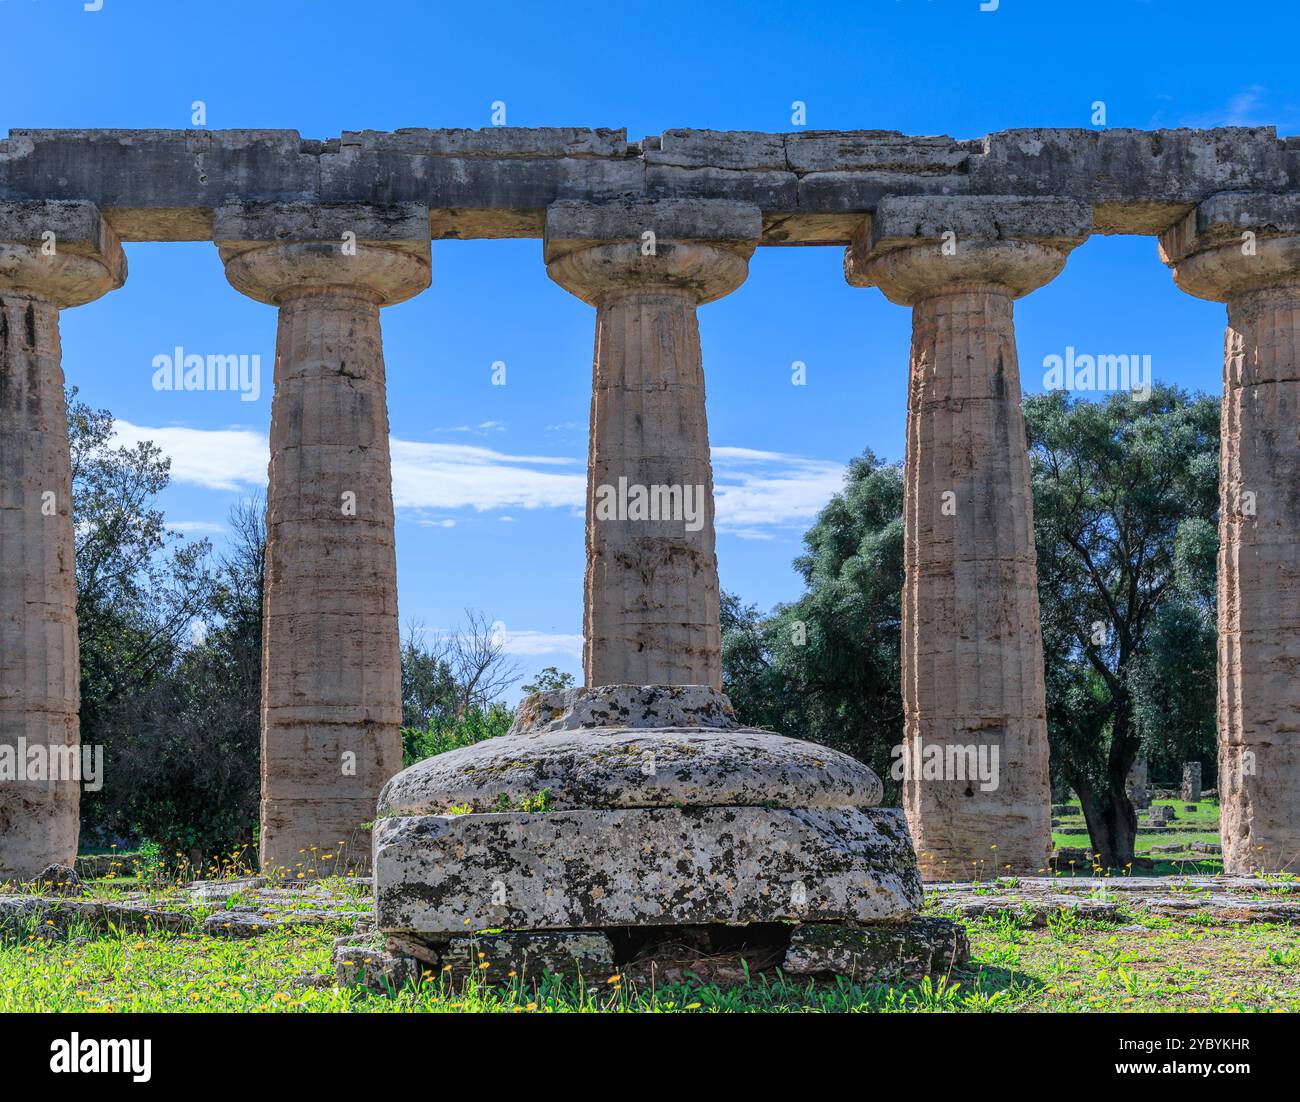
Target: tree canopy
1125 500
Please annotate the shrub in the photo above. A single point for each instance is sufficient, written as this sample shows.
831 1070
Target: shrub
476 725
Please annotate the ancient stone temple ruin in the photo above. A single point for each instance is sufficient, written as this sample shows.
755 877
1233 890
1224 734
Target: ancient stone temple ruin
639 802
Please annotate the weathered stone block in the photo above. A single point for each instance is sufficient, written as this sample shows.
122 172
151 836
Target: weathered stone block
862 190
646 866
258 222
768 190
218 891
839 150
732 149
496 141
615 767
574 225
376 970
77 226
530 956
639 706
905 220
1146 171
1222 219
925 946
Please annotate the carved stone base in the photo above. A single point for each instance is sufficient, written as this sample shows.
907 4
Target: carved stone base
447 875
881 953
637 807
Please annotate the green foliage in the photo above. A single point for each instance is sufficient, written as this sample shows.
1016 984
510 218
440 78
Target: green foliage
1125 498
826 667
170 654
1125 501
429 693
452 673
537 802
550 680
171 649
454 733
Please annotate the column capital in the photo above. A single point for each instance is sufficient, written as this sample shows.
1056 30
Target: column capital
61 251
275 250
700 247
918 246
1235 242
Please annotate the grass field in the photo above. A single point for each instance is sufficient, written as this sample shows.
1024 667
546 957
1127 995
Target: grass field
1142 963
1145 964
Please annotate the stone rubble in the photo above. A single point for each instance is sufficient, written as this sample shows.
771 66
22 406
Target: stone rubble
1221 899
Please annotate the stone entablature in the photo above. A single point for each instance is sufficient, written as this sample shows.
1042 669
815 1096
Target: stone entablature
812 187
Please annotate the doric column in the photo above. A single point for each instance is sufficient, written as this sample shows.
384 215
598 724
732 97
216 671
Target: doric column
651 604
52 255
976 787
1244 249
331 671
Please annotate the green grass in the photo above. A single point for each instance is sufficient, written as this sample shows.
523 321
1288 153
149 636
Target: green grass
1153 964
1186 838
1205 817
1144 964
1201 825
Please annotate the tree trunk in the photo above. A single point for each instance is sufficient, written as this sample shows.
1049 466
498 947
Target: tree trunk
1107 809
1111 819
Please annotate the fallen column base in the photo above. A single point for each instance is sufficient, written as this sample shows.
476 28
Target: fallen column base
614 823
443 875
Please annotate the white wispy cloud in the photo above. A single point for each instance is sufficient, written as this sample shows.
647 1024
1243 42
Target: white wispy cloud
755 491
218 459
529 644
1253 105
425 476
188 526
459 476
481 429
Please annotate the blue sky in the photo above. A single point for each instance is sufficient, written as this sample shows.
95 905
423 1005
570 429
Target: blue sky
489 478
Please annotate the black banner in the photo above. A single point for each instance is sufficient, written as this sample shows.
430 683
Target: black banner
367 1051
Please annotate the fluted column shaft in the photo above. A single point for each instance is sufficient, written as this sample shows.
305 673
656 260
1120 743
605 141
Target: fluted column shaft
39 672
651 611
1259 583
331 672
651 590
331 666
972 649
39 662
1259 523
975 781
